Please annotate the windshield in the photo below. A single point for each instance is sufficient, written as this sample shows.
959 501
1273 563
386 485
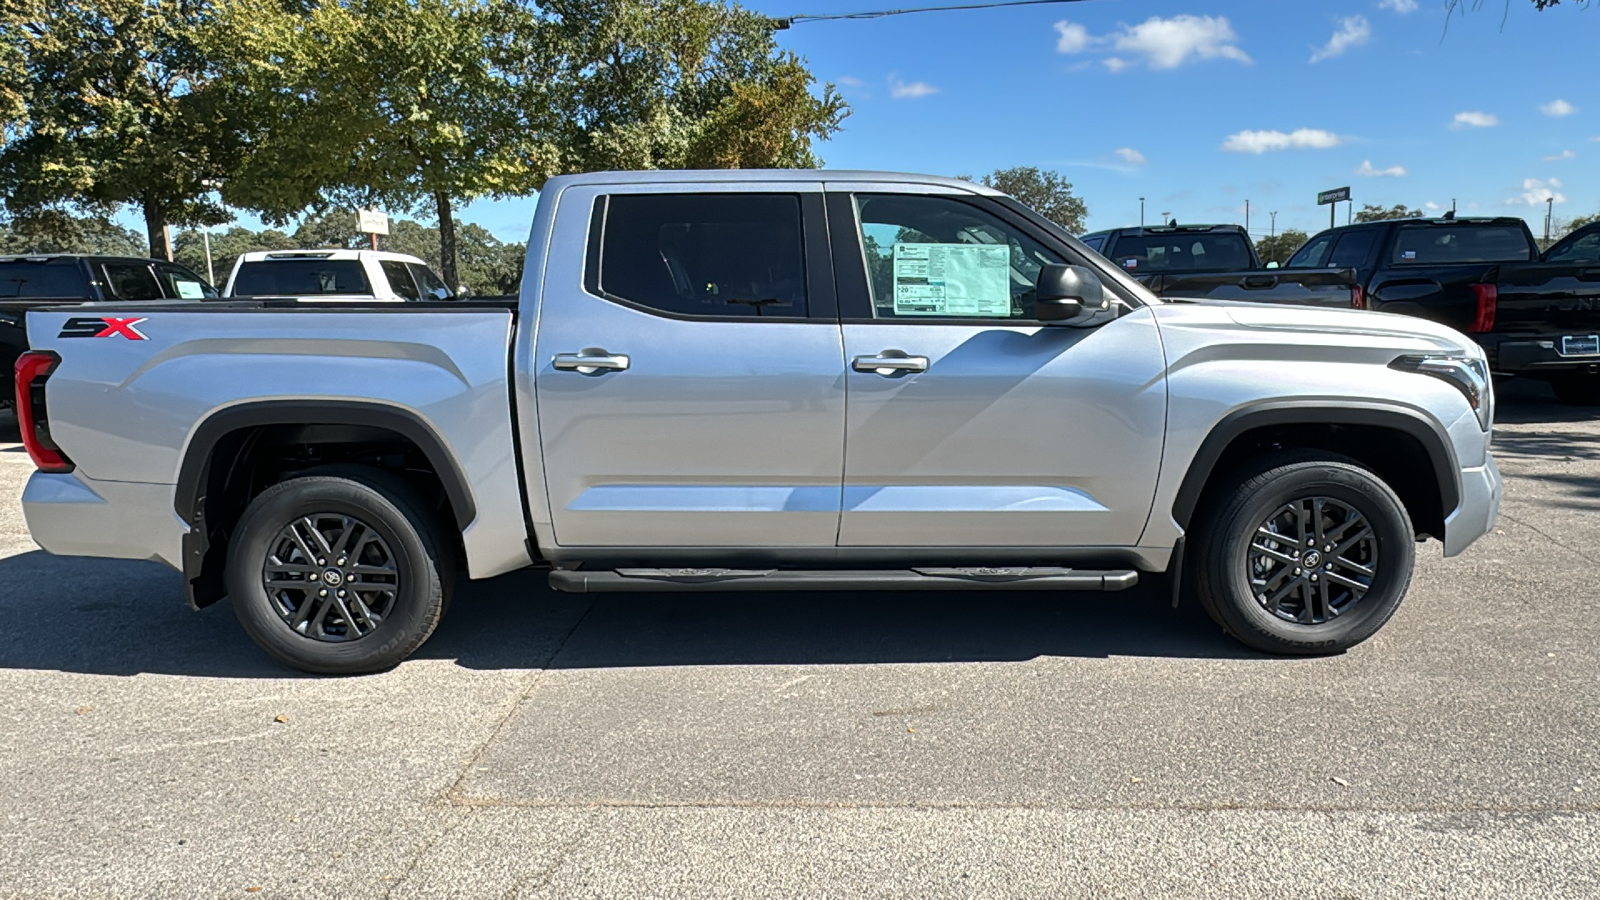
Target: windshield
1221 251
27 279
300 276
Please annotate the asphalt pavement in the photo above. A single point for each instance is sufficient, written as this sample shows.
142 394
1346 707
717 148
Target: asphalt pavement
835 745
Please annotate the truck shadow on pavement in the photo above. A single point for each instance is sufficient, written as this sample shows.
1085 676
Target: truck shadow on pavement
111 617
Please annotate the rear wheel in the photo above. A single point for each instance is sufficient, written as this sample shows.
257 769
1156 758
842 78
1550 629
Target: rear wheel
1577 389
339 573
1304 555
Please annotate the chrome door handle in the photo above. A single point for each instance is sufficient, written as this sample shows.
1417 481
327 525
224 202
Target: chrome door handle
890 362
590 361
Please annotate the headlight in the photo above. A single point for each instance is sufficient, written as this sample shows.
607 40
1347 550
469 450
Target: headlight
1468 374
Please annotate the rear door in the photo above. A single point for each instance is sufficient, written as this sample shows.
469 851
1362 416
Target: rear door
971 423
688 370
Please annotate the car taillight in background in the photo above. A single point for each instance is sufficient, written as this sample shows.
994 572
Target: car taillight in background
1358 297
33 368
1488 296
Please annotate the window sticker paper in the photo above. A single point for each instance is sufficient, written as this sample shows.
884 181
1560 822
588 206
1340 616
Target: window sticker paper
952 280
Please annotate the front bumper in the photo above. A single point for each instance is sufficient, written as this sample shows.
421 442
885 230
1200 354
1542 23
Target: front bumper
71 515
1479 508
1532 355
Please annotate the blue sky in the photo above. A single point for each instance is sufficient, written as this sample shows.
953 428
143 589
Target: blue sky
1198 106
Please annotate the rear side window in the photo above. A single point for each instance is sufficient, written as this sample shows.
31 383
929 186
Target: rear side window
1423 245
1095 243
399 279
301 276
1182 252
1311 256
1353 249
26 280
132 281
703 254
431 285
181 282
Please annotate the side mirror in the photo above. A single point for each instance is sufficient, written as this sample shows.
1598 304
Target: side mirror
1067 292
1272 265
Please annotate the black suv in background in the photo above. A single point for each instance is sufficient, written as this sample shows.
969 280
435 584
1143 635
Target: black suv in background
60 279
1535 317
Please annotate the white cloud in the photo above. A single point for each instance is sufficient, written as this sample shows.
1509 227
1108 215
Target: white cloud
1368 171
849 81
1353 32
1156 42
1265 141
1400 6
1431 206
903 90
1558 108
1071 37
1558 157
1536 192
1475 120
1130 156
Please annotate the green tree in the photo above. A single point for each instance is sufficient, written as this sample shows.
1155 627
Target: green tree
1373 213
58 231
111 102
188 248
423 105
1278 248
1048 193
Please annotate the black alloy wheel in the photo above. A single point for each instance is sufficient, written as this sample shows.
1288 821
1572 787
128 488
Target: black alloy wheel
1313 558
331 577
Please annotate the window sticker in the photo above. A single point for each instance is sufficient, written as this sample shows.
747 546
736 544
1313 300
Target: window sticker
952 280
1130 264
1409 254
189 290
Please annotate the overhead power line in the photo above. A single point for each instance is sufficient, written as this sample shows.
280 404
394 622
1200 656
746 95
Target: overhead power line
787 21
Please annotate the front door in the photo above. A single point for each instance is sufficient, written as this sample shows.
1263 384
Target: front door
970 423
688 370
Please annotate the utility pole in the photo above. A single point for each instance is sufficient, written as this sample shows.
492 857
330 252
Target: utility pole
1274 232
1141 212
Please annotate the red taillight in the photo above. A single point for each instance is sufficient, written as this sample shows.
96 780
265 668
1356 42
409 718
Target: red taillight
33 368
1488 296
1358 297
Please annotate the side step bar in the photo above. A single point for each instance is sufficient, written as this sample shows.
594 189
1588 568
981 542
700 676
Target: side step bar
975 578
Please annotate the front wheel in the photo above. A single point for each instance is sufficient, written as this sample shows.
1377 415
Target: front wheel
1304 556
339 573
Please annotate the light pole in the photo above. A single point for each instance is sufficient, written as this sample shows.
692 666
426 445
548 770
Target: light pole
1549 212
211 275
1247 217
1274 232
1141 212
1166 217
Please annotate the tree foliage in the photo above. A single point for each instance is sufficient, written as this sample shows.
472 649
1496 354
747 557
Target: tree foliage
57 231
111 102
424 104
1048 193
1279 247
1373 213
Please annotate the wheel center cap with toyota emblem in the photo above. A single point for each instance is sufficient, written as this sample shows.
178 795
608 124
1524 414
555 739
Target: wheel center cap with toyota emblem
332 577
1312 559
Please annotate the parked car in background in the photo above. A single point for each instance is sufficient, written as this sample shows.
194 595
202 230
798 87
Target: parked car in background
1534 316
767 380
34 281
1581 246
1215 262
335 276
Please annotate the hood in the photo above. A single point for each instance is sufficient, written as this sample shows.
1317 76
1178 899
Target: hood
1361 325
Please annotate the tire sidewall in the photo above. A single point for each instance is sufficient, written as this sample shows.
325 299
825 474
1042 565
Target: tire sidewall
1346 484
416 607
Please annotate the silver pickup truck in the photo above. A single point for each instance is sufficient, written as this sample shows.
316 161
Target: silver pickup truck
762 381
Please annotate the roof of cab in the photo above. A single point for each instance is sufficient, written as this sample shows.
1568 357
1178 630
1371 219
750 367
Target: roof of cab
327 253
760 176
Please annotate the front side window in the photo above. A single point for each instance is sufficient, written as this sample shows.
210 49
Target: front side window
1437 245
181 282
300 276
1352 250
132 281
940 257
399 279
704 254
430 284
1584 249
1178 251
1312 255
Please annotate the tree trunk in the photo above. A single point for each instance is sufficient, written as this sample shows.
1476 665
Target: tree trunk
447 241
155 227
